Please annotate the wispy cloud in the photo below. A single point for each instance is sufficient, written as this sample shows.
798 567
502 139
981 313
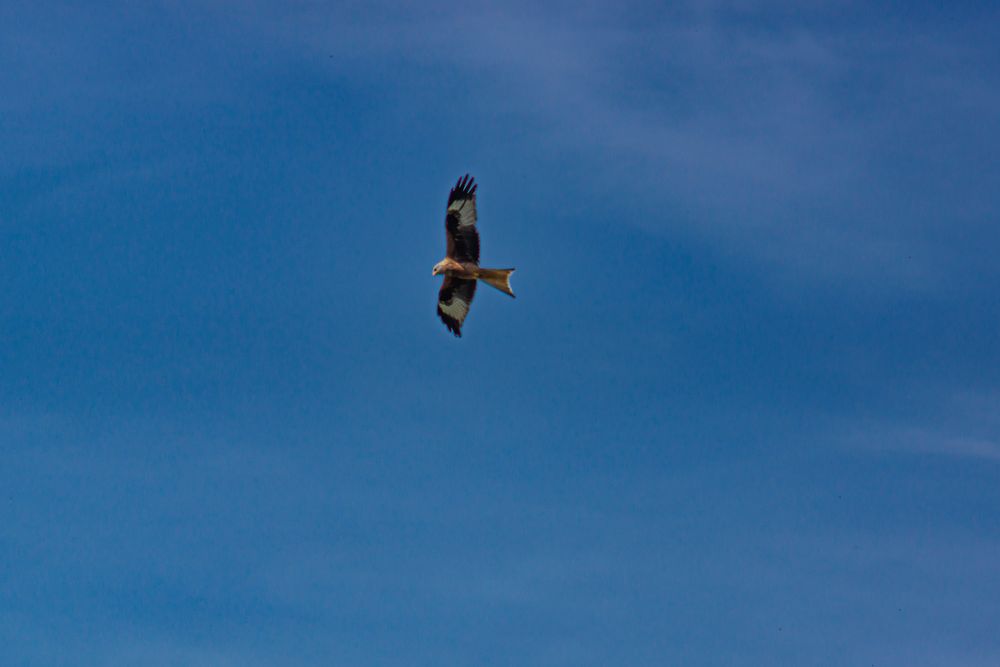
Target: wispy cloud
964 426
896 579
937 442
813 138
831 142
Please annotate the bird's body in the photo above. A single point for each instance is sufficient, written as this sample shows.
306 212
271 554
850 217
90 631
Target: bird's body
450 267
460 267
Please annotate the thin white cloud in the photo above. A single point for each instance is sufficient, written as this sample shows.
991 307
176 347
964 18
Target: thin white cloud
963 426
933 442
846 148
804 145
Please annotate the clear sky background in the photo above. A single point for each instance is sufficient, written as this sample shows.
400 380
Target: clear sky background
744 411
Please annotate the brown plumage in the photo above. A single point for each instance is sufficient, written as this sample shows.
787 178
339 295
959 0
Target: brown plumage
460 266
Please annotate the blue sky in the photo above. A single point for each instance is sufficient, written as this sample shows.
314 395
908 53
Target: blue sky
743 411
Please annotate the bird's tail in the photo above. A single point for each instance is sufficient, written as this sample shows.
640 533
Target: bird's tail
498 278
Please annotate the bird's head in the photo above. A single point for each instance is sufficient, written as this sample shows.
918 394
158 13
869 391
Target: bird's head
438 269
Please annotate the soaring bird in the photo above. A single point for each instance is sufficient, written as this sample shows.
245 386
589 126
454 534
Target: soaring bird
460 266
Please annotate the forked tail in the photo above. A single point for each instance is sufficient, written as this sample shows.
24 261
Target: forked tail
499 278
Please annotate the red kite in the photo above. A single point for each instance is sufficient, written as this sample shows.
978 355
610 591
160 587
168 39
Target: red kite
461 263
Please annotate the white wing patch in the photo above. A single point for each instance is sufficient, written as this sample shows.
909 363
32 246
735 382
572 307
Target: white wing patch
456 308
466 209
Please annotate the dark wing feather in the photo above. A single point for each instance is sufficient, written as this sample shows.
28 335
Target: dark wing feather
460 222
454 301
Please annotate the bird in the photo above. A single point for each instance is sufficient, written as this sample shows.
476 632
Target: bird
460 267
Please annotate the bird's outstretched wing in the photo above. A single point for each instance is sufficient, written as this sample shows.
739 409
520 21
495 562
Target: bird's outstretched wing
460 222
454 301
